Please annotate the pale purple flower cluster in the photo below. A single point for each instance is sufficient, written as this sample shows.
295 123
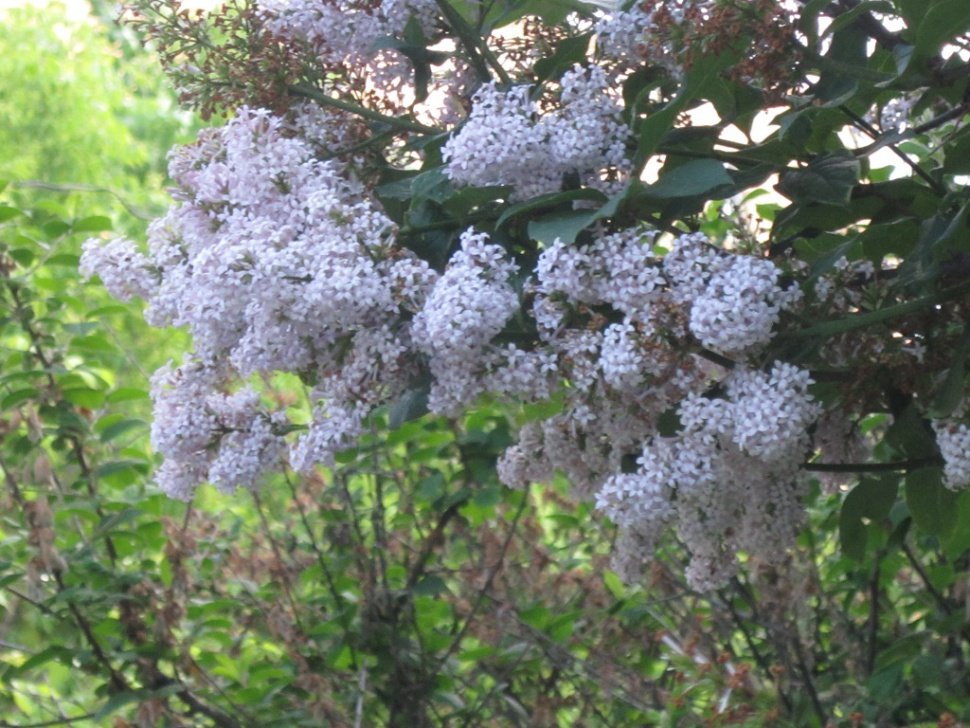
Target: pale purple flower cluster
352 35
279 262
728 481
507 141
275 262
192 414
953 439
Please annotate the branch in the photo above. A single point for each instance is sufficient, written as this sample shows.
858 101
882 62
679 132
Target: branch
868 23
865 126
117 680
483 592
940 600
45 723
66 188
862 320
309 92
807 678
474 44
899 465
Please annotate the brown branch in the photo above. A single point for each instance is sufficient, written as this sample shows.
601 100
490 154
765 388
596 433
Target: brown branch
284 582
45 723
118 681
483 592
900 465
873 621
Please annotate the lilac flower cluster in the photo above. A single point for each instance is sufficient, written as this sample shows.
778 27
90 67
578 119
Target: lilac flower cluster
275 262
279 262
953 439
507 141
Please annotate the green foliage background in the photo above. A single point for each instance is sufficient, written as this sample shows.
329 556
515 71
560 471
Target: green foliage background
408 586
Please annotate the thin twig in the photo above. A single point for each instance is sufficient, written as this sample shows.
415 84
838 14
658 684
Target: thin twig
899 465
396 122
284 582
862 320
873 622
67 188
483 592
46 723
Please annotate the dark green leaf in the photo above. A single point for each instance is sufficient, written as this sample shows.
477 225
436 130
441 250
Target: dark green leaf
18 397
828 179
544 202
953 390
409 406
568 53
693 178
871 500
564 226
933 505
944 21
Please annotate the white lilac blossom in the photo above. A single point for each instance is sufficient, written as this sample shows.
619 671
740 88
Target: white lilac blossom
345 31
772 411
735 301
953 439
500 144
279 262
740 306
620 34
275 262
506 141
725 491
207 434
125 271
346 36
467 307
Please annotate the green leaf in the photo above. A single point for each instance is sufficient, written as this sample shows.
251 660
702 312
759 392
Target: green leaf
54 652
568 53
84 397
121 466
430 586
120 428
542 410
8 213
66 259
952 391
127 394
693 178
933 505
566 226
95 223
409 406
614 584
554 199
120 700
829 179
871 500
115 520
55 228
23 256
957 159
943 22
467 199
18 397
